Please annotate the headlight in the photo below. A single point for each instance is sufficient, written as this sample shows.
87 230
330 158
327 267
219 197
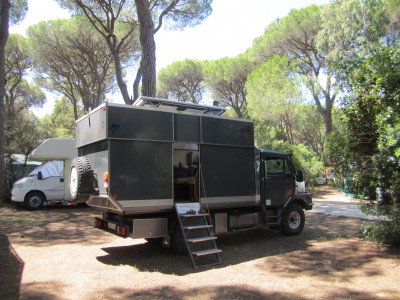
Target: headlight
18 185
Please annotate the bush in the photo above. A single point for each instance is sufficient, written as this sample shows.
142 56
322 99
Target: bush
383 232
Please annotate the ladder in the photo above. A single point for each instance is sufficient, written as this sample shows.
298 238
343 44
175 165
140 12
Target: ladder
198 235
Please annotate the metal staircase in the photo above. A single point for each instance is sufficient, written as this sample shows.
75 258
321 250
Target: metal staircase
198 235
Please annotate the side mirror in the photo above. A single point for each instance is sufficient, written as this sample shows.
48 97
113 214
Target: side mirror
299 176
40 175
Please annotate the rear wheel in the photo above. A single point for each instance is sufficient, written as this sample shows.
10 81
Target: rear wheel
293 220
155 242
81 179
34 200
177 242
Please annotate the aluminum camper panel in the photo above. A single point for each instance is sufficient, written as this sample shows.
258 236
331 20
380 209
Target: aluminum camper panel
139 124
97 154
140 170
227 132
91 128
227 172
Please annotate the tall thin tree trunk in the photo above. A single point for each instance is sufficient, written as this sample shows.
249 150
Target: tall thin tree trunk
148 61
4 22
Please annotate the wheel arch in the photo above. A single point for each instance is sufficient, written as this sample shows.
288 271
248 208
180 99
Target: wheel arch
35 191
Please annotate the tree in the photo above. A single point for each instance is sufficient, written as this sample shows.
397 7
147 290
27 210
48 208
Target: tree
150 16
19 94
273 93
17 8
61 122
374 136
106 17
226 79
182 81
295 37
72 59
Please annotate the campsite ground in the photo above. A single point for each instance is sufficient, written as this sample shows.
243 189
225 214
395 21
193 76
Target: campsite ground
56 253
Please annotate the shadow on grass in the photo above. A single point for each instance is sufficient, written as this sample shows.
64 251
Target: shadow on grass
239 247
50 226
12 267
225 292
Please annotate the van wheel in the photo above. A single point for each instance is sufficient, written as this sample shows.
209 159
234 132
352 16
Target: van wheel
293 220
34 201
81 179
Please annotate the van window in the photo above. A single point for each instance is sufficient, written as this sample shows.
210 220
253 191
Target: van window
50 169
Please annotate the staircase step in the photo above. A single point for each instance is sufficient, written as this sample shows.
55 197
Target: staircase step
192 215
202 239
206 252
197 227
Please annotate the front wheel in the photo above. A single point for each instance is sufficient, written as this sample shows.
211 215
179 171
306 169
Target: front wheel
293 220
34 200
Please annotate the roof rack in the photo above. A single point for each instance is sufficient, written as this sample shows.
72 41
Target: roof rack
169 105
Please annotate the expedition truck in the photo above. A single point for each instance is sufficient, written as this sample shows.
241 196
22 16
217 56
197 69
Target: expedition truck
45 185
179 174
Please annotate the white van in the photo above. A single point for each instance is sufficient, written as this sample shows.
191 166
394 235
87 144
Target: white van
45 185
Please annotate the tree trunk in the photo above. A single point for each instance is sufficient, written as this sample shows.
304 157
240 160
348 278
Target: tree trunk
136 84
118 74
148 61
4 21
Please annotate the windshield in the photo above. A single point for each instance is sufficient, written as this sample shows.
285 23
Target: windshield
49 169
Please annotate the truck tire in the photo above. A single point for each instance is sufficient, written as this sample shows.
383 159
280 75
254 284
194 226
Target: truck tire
34 200
178 244
81 178
154 242
293 220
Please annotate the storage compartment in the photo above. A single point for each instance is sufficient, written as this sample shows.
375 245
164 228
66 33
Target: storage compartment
149 228
243 221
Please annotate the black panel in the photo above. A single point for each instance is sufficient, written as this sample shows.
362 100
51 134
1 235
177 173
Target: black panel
91 129
187 128
93 148
140 170
140 124
227 171
227 132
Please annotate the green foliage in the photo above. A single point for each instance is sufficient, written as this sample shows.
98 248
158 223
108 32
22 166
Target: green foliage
385 233
226 79
182 81
61 122
18 10
373 114
22 133
272 94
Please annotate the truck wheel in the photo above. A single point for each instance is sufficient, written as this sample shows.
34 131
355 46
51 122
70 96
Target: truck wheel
81 181
154 242
34 200
293 220
177 242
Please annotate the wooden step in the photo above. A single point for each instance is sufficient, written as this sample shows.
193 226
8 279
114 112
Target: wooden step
206 252
197 227
202 239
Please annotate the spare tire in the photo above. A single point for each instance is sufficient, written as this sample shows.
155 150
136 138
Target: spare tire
80 179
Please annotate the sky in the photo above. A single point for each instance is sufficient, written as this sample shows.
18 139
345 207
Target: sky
227 32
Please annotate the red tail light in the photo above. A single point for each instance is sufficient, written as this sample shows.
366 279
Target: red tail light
106 181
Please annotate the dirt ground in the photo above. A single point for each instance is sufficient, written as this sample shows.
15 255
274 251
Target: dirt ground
56 253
